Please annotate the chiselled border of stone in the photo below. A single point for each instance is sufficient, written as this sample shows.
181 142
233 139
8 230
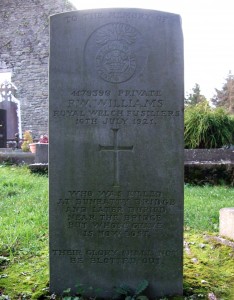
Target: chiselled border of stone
209 162
17 154
203 155
39 165
220 240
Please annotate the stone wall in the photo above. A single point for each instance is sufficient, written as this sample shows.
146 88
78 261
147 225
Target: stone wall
24 49
209 166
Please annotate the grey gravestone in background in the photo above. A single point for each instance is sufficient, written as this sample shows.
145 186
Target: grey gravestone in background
116 150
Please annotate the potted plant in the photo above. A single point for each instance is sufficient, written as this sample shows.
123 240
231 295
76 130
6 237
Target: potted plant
27 141
42 140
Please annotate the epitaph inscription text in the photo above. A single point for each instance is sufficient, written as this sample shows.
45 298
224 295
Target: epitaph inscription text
104 213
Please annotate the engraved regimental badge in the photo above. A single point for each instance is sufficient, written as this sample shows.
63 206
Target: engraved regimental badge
118 56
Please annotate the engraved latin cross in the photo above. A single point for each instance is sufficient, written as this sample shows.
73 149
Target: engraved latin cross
115 148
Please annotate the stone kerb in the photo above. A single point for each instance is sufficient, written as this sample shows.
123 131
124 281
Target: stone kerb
212 166
16 157
208 155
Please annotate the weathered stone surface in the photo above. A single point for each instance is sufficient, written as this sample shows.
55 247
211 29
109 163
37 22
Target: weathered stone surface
209 166
208 155
226 222
24 43
116 150
9 156
41 153
213 173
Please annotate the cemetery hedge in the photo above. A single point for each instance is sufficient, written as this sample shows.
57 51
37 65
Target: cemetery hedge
208 265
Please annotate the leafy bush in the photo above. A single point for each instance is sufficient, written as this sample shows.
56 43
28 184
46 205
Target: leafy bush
206 127
27 138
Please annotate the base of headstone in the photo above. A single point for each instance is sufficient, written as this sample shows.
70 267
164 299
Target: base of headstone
226 222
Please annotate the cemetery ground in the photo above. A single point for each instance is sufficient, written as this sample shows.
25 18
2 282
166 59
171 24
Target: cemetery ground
208 264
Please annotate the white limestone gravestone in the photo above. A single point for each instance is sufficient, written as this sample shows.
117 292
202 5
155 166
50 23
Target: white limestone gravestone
116 150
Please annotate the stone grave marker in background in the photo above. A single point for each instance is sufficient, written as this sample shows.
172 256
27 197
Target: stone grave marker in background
226 222
3 128
116 150
9 103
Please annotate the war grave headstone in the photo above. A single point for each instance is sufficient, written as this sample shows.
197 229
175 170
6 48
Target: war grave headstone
116 150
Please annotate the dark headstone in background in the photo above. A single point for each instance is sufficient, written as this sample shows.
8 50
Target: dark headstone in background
3 128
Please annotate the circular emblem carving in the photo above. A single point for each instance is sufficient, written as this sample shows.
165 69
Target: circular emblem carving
118 49
115 62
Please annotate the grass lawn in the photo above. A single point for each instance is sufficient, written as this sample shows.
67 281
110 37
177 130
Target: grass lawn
208 265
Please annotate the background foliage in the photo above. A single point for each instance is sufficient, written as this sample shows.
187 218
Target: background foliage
225 97
195 97
207 127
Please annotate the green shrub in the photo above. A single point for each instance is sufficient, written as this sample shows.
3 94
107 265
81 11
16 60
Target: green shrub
206 127
27 137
